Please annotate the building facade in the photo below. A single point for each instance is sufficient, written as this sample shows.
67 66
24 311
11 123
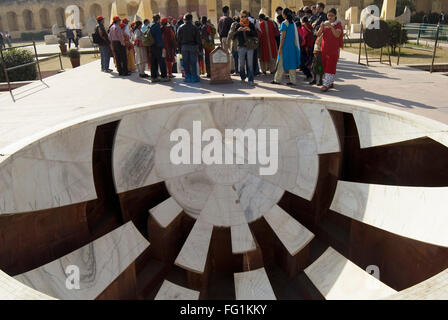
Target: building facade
40 15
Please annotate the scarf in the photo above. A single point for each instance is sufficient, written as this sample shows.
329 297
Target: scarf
296 35
244 22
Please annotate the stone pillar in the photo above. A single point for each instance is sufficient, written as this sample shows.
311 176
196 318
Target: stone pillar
224 3
212 12
343 7
291 4
388 11
113 11
245 5
145 10
352 16
275 4
122 10
265 7
4 23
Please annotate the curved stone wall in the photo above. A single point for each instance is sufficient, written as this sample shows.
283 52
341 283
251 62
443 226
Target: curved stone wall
230 213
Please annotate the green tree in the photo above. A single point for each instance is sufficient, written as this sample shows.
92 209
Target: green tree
15 57
396 39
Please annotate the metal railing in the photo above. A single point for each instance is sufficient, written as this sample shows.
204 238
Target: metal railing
419 31
35 62
433 33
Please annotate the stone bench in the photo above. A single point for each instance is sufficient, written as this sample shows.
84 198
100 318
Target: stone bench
85 42
337 278
51 39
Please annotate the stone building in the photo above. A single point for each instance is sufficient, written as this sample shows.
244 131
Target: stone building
431 5
40 15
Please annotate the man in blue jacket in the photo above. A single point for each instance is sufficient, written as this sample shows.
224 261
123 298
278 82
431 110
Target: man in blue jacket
158 53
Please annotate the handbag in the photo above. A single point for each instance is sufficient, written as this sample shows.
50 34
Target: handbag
251 42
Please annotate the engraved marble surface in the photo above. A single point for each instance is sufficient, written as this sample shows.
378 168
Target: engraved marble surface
172 291
291 233
253 285
164 213
99 263
194 252
11 289
376 129
337 278
242 239
414 212
323 127
435 288
219 193
52 172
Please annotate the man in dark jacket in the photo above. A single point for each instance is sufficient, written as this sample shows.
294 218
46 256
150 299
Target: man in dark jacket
103 45
245 30
158 52
224 27
189 41
319 17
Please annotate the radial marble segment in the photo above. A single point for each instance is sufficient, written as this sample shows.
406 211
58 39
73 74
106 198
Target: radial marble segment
414 212
99 264
435 288
291 233
337 278
194 253
226 193
172 291
52 172
11 289
253 285
164 213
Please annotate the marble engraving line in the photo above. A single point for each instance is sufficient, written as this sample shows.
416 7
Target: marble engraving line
221 150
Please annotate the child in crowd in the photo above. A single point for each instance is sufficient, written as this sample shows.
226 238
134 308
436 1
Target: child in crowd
317 63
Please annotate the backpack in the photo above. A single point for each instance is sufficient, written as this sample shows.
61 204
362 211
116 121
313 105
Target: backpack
96 36
148 39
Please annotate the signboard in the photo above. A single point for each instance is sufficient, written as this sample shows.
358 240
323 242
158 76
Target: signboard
219 56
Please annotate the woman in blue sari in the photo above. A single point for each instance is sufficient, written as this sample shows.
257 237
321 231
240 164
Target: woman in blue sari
289 50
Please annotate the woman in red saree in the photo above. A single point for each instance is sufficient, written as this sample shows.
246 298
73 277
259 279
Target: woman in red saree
169 41
268 45
332 42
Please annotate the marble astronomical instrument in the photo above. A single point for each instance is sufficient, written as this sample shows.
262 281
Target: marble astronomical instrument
358 188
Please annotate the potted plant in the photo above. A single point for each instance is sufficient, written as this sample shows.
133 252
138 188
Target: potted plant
62 46
74 57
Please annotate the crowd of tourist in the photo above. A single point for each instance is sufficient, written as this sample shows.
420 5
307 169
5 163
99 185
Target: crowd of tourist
307 41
